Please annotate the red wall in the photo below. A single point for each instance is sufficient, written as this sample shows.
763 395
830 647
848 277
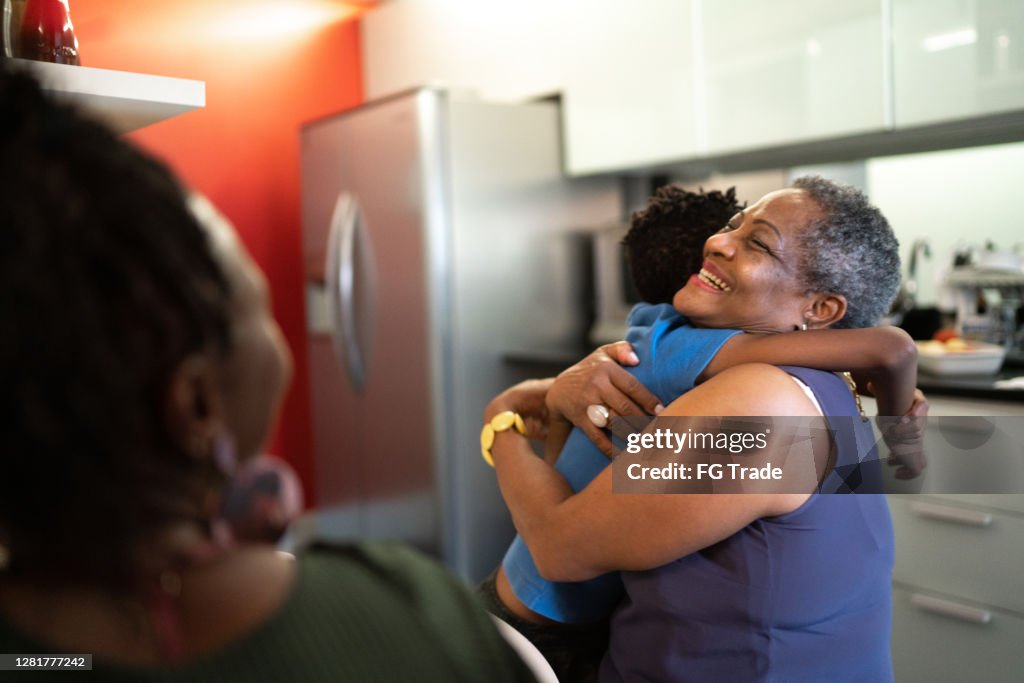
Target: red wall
242 149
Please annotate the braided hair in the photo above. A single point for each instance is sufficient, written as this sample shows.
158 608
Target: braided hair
665 242
108 284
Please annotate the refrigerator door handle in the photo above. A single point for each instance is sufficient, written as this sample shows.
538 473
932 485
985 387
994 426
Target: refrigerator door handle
340 270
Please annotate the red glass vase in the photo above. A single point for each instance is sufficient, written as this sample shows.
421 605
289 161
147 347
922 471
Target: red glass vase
46 33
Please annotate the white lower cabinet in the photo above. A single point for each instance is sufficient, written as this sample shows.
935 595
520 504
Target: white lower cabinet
939 638
956 548
958 599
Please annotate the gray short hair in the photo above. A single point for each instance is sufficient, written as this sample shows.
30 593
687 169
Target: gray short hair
850 251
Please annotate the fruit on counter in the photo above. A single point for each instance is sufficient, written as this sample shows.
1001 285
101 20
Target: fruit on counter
945 346
945 334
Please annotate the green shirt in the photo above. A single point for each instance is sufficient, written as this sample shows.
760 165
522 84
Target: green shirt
367 612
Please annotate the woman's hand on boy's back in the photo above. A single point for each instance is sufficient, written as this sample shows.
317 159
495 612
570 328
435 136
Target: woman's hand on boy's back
599 379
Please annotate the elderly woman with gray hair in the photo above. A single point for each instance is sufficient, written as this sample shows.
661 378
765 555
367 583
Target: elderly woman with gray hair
752 586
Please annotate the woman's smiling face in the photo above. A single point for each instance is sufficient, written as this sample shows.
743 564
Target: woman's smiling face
751 279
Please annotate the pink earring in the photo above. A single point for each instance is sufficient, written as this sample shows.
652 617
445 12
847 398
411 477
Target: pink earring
225 455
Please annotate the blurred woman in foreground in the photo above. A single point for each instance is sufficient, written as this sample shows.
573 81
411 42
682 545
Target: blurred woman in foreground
141 369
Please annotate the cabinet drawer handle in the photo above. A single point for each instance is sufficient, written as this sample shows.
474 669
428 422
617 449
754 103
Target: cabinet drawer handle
952 514
948 608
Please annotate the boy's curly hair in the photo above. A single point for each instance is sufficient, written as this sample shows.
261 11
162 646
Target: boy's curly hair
665 242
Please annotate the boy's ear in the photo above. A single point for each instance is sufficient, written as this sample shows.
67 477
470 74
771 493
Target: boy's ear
825 309
193 405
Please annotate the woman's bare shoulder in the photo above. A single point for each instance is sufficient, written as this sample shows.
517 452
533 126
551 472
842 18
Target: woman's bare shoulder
748 389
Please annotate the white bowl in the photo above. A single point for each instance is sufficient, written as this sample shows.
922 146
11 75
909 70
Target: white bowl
978 359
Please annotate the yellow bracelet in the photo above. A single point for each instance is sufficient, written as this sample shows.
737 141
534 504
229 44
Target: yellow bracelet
499 423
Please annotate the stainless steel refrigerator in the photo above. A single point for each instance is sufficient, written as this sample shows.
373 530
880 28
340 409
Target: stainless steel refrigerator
438 237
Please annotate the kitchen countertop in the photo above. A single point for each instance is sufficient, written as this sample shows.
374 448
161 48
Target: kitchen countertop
551 362
973 386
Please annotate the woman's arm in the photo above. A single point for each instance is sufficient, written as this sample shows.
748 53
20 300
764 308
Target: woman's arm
886 356
558 432
576 537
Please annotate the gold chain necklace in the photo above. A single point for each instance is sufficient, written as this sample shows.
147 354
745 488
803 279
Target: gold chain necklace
852 386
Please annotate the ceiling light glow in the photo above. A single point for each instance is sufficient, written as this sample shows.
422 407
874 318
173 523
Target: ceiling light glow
280 19
945 41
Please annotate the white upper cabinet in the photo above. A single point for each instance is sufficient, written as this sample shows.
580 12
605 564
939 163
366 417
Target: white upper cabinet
652 83
790 71
957 58
629 84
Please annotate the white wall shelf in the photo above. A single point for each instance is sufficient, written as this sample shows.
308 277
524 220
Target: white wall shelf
124 100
